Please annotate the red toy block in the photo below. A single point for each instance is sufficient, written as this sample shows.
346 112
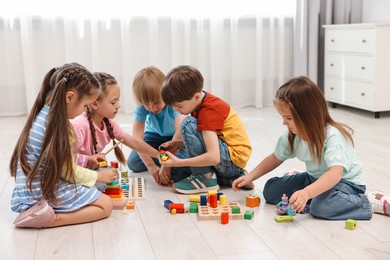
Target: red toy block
213 200
113 191
114 164
224 217
179 207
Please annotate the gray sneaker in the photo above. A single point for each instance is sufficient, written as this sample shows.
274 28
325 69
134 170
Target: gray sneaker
197 183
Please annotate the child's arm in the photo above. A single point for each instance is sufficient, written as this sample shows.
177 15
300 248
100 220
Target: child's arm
89 177
328 180
138 132
209 158
266 165
89 161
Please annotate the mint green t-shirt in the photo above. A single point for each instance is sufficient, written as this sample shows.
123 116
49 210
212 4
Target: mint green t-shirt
337 152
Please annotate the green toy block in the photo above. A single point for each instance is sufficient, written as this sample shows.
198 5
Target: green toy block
350 224
236 210
249 214
284 218
193 207
124 174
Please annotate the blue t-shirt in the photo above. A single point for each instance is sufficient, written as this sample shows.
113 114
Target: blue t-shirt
337 152
162 123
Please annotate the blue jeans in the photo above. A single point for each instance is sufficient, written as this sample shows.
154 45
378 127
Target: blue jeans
135 163
194 145
345 200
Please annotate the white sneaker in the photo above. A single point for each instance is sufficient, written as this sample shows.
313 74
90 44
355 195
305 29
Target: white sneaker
379 202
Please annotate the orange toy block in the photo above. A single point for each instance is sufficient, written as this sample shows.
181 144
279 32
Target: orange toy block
252 201
130 205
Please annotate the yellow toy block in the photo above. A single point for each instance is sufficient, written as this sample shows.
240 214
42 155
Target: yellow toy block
350 224
102 164
284 218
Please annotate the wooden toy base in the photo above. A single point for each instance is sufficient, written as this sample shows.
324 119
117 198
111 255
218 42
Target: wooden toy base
136 187
209 213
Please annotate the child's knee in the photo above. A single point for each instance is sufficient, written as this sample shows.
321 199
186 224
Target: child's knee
106 204
269 192
189 124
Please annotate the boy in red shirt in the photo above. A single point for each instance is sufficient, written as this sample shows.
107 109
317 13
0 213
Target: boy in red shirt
213 136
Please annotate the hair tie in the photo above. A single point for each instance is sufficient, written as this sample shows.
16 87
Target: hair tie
64 78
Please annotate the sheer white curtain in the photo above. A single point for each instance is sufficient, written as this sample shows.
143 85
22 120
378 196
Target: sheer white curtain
244 57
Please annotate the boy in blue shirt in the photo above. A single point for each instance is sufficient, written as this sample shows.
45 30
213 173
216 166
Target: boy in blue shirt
155 123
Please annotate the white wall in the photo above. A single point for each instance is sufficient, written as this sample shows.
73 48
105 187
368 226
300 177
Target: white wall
376 11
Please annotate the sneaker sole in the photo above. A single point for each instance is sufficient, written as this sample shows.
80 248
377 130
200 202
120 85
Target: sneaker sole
197 190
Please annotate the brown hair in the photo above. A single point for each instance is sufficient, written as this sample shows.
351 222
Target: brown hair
55 159
181 84
310 113
105 80
147 85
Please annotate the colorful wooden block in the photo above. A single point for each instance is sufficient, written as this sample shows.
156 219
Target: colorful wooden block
114 164
124 174
102 164
136 187
194 198
252 201
236 210
213 200
179 207
284 218
350 224
193 207
166 203
249 214
222 200
224 217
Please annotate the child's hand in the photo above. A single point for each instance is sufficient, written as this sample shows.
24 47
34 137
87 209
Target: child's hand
93 160
171 162
108 175
165 175
154 171
298 200
240 182
173 146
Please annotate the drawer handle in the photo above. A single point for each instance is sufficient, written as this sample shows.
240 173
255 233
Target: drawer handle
364 41
331 64
363 94
331 40
331 88
363 68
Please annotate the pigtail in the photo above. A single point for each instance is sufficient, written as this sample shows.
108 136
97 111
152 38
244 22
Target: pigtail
19 154
92 128
118 152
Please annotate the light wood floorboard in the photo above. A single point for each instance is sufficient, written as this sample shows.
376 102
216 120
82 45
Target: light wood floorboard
150 232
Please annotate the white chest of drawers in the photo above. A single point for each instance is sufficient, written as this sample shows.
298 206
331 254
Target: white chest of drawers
357 66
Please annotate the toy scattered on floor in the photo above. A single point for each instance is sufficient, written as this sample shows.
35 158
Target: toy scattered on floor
252 201
284 218
283 208
163 155
249 214
350 224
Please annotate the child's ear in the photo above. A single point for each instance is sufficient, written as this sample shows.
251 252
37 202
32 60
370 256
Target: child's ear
198 96
70 95
94 104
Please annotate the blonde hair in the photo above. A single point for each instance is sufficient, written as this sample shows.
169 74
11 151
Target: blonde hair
310 113
147 85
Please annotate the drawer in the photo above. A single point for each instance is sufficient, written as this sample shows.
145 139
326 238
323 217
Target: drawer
350 66
350 40
333 90
359 94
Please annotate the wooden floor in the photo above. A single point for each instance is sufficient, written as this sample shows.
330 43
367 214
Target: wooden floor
150 232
